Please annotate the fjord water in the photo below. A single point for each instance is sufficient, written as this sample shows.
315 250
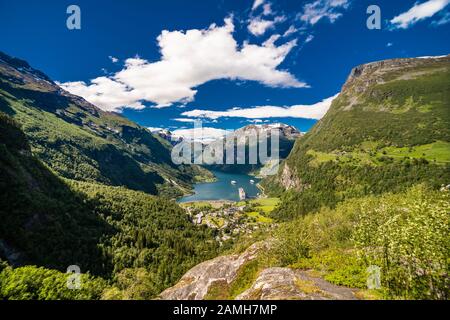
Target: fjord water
222 189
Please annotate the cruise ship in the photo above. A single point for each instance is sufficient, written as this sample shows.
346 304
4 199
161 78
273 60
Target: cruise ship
242 194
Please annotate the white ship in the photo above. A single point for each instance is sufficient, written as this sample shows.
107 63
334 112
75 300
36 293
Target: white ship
242 194
233 182
252 181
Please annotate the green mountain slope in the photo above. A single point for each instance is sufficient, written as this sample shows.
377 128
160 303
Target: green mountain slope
79 141
388 129
107 231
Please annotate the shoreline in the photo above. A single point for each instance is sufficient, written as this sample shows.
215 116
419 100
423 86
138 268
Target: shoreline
260 195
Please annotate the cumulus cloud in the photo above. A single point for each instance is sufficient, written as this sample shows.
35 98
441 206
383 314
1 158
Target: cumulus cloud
323 9
257 4
113 59
188 60
315 111
291 30
106 93
258 26
267 9
418 12
309 38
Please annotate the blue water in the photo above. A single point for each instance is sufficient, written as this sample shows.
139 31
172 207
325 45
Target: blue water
222 189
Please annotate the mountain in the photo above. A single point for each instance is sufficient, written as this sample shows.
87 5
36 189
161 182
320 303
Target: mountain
287 134
79 141
50 223
388 130
362 212
167 135
286 131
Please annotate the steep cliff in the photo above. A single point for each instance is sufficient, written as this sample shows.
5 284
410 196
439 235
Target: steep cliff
388 130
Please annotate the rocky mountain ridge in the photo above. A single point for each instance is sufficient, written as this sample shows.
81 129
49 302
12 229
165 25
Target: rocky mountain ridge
82 142
388 129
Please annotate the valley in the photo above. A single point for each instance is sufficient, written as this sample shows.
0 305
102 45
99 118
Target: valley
367 186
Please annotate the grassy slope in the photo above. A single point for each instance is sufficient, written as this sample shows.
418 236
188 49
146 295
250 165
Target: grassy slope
390 135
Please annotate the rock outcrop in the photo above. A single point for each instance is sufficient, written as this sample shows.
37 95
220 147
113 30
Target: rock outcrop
363 77
289 180
195 284
288 284
270 284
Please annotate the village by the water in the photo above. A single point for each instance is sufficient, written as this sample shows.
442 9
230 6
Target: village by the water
231 218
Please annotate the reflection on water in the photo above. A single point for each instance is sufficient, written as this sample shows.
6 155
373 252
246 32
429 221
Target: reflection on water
223 188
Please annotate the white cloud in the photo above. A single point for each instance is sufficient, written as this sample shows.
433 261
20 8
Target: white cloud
113 59
259 26
418 12
291 30
155 129
204 134
315 111
444 19
255 121
431 57
309 38
184 120
188 59
106 93
267 9
330 9
257 4
389 44
271 41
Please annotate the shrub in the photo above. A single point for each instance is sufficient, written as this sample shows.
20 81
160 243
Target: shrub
33 283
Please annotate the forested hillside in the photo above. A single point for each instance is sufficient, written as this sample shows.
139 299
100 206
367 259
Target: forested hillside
389 129
81 142
367 186
67 174
111 232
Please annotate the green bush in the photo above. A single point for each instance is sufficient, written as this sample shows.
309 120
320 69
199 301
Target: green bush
406 235
33 283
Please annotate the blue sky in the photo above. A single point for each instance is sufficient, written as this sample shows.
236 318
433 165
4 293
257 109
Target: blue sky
261 61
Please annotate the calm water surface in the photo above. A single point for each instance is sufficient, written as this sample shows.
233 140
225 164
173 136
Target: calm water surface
222 189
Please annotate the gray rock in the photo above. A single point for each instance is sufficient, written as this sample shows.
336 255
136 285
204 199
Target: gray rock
194 285
288 284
